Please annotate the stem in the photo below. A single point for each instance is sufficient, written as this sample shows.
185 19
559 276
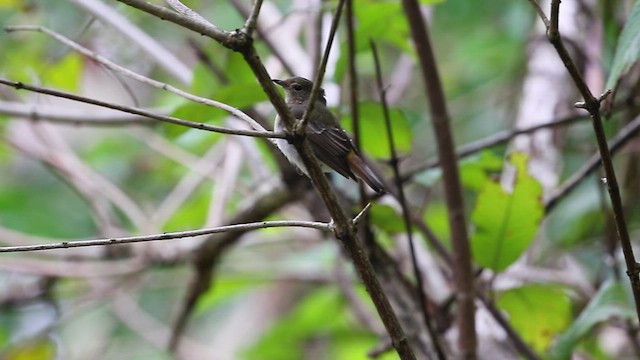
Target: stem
462 268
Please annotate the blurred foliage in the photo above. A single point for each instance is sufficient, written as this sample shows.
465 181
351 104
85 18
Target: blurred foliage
481 50
610 301
373 131
628 48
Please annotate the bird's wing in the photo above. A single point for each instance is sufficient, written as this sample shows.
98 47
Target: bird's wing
331 145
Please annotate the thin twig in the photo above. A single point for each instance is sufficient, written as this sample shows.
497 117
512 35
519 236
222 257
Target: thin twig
422 299
135 76
317 81
233 40
169 236
67 116
592 105
140 112
266 36
493 140
252 21
623 136
166 59
524 349
358 217
462 268
541 13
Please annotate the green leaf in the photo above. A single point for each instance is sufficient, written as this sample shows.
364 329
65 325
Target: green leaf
373 133
628 49
537 313
476 171
506 223
370 15
611 300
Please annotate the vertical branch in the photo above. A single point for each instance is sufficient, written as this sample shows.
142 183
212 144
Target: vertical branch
422 301
353 104
453 190
592 105
353 76
319 75
252 20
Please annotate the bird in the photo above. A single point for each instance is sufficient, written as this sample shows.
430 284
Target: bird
329 142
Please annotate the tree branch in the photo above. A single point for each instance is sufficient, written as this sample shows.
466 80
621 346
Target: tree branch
169 236
140 112
462 268
56 114
406 217
137 77
592 105
344 230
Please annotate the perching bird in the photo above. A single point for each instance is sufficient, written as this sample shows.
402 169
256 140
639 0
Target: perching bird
329 142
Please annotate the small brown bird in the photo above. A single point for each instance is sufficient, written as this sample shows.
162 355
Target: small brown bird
329 142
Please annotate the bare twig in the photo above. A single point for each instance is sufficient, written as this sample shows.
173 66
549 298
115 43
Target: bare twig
140 112
265 36
135 76
169 236
623 136
156 51
493 140
361 213
422 301
252 20
317 81
69 116
541 13
592 105
515 337
462 268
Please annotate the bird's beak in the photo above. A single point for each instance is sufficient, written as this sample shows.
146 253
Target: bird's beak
279 82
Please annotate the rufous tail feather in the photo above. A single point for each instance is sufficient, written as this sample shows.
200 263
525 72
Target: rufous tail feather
362 171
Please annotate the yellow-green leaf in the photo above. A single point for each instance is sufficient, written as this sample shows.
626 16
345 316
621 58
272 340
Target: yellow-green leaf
506 223
537 313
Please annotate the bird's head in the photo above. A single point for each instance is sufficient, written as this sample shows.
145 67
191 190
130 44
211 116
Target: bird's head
298 90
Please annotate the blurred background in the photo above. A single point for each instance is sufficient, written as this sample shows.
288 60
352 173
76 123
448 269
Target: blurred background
72 171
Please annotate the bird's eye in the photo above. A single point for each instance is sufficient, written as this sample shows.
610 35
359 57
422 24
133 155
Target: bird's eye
297 87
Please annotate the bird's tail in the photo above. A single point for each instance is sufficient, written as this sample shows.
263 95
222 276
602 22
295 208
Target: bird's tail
362 171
